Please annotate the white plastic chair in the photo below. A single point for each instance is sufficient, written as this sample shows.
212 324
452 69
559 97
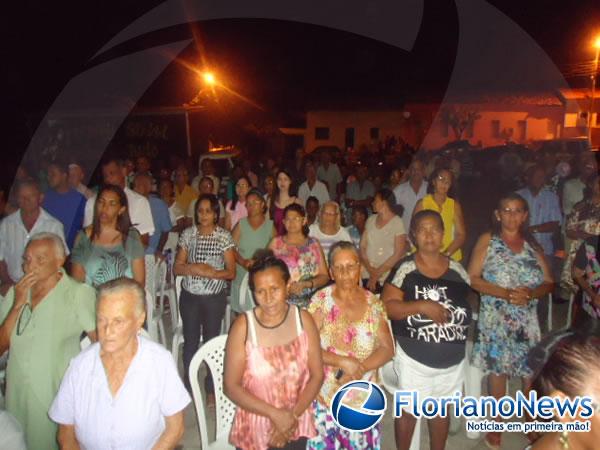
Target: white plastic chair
213 354
165 288
246 299
178 329
154 314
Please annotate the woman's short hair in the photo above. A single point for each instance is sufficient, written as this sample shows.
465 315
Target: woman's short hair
125 284
338 219
54 239
337 247
388 196
567 361
435 174
361 210
214 205
418 217
295 207
267 261
256 192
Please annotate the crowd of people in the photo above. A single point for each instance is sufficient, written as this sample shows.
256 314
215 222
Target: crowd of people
350 265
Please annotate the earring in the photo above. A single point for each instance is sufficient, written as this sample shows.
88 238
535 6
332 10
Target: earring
564 440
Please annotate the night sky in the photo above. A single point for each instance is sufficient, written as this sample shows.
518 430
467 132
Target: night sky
282 66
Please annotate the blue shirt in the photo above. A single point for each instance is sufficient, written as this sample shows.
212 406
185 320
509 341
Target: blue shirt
543 208
162 222
68 208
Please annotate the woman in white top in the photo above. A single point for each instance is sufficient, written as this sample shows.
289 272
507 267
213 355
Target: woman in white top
383 242
328 229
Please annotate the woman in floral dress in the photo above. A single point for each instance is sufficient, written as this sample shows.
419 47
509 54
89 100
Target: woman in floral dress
508 268
302 255
355 340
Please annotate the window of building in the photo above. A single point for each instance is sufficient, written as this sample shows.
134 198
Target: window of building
349 137
496 128
374 133
571 120
321 132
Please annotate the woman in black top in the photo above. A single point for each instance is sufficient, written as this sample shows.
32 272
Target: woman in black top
426 298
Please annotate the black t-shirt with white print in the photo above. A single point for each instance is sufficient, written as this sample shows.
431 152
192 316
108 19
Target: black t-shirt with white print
437 346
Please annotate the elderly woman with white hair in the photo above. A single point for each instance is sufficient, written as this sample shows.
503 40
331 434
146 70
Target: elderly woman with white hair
328 229
124 391
41 321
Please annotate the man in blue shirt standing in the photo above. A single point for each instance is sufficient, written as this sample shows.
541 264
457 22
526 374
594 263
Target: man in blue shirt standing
545 218
142 184
63 202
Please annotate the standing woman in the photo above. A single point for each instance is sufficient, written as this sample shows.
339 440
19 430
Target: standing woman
383 242
110 247
235 210
302 254
268 188
284 195
273 366
355 342
439 199
508 269
328 230
206 260
252 233
426 298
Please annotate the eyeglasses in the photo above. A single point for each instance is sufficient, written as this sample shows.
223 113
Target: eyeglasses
512 211
24 317
348 268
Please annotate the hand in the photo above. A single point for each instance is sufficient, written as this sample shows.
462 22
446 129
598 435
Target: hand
519 296
353 369
277 440
204 270
248 263
296 288
22 288
435 311
372 283
284 421
158 256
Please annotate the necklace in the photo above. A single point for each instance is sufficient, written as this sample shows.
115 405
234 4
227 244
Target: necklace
272 327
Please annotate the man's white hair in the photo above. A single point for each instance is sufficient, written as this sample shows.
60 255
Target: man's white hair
59 246
128 285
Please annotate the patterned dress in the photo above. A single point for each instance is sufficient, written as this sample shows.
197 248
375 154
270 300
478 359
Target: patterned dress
303 262
507 332
343 337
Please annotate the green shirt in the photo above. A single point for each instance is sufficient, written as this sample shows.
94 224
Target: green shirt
39 357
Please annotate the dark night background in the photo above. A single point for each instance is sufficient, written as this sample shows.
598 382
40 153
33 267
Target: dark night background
47 43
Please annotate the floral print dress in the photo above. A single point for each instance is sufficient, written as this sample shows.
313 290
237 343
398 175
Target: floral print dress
349 338
303 263
507 332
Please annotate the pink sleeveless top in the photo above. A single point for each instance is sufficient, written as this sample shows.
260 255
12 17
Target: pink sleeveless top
276 375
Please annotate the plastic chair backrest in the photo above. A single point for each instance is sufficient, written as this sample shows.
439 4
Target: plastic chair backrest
213 354
246 300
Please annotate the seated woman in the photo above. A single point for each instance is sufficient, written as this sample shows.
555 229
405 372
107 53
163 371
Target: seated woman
41 321
328 230
303 256
107 397
439 198
355 341
273 366
110 247
426 297
567 365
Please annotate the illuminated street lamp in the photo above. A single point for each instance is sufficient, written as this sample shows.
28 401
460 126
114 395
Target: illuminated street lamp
209 78
597 47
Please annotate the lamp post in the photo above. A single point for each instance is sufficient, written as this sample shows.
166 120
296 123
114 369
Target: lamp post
591 114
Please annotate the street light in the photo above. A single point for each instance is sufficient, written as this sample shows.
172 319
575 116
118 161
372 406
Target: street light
590 123
209 78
